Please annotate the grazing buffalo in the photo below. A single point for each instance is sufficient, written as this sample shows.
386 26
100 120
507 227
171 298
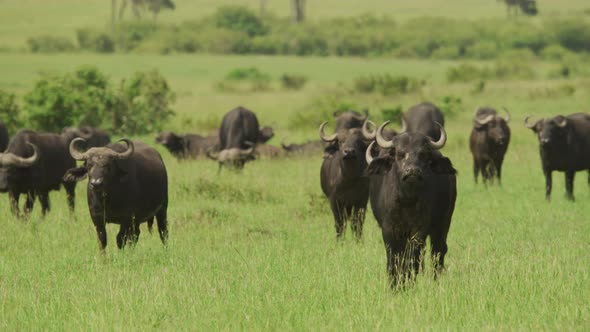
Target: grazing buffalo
413 192
342 178
188 145
94 137
238 136
127 185
307 148
3 137
349 120
564 143
422 118
489 141
34 164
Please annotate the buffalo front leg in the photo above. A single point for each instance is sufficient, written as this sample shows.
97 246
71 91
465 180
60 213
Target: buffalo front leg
123 234
339 217
358 219
29 203
394 250
70 188
548 184
475 170
569 184
44 200
14 197
438 250
161 219
101 232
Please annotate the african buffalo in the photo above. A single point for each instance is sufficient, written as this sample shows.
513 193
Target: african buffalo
238 135
349 120
4 138
564 144
489 141
412 192
34 164
94 137
127 185
422 118
188 145
342 178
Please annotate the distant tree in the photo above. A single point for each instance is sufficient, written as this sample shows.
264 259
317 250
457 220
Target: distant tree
298 8
528 7
138 6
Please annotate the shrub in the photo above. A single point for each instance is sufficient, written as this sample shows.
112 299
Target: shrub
10 112
482 50
250 73
293 81
573 35
555 52
451 105
465 73
392 114
241 19
96 41
564 90
512 69
49 44
385 84
130 34
321 108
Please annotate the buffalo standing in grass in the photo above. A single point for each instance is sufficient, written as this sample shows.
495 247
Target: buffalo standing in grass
422 119
413 192
188 145
564 144
94 137
238 135
488 142
342 178
4 138
127 185
34 164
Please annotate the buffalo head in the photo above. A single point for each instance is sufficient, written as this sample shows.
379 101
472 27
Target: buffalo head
174 143
100 165
234 157
12 167
549 131
265 134
495 126
348 146
413 157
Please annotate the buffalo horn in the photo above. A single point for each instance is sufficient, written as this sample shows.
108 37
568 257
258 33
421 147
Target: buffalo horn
328 139
562 123
507 118
485 120
76 154
404 126
10 159
127 153
365 129
527 124
441 141
382 142
368 155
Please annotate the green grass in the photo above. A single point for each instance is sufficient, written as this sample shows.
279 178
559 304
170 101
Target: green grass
257 250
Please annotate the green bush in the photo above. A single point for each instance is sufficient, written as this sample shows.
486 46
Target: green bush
450 105
321 108
483 50
241 19
92 40
466 73
10 112
392 114
555 52
573 35
130 35
251 73
385 84
50 44
293 81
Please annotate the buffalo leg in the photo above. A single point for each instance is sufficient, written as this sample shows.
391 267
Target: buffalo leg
133 233
548 184
499 172
44 200
161 218
394 249
475 170
150 223
569 184
29 203
14 197
70 188
123 234
358 219
101 232
339 218
438 250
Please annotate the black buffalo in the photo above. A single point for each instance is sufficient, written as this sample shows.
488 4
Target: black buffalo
488 142
3 137
349 120
342 178
238 135
34 164
413 192
187 146
422 118
564 144
95 137
127 185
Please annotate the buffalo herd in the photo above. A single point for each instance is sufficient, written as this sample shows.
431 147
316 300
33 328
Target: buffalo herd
410 185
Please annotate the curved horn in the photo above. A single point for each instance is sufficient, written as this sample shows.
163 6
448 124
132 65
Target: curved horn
327 139
561 124
507 118
485 120
441 141
382 142
404 126
212 154
76 154
127 153
368 155
365 130
527 124
10 159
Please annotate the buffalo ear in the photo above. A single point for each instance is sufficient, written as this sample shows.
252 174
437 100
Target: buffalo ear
443 165
331 149
379 166
75 174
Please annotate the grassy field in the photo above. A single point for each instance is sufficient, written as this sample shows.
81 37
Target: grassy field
257 250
